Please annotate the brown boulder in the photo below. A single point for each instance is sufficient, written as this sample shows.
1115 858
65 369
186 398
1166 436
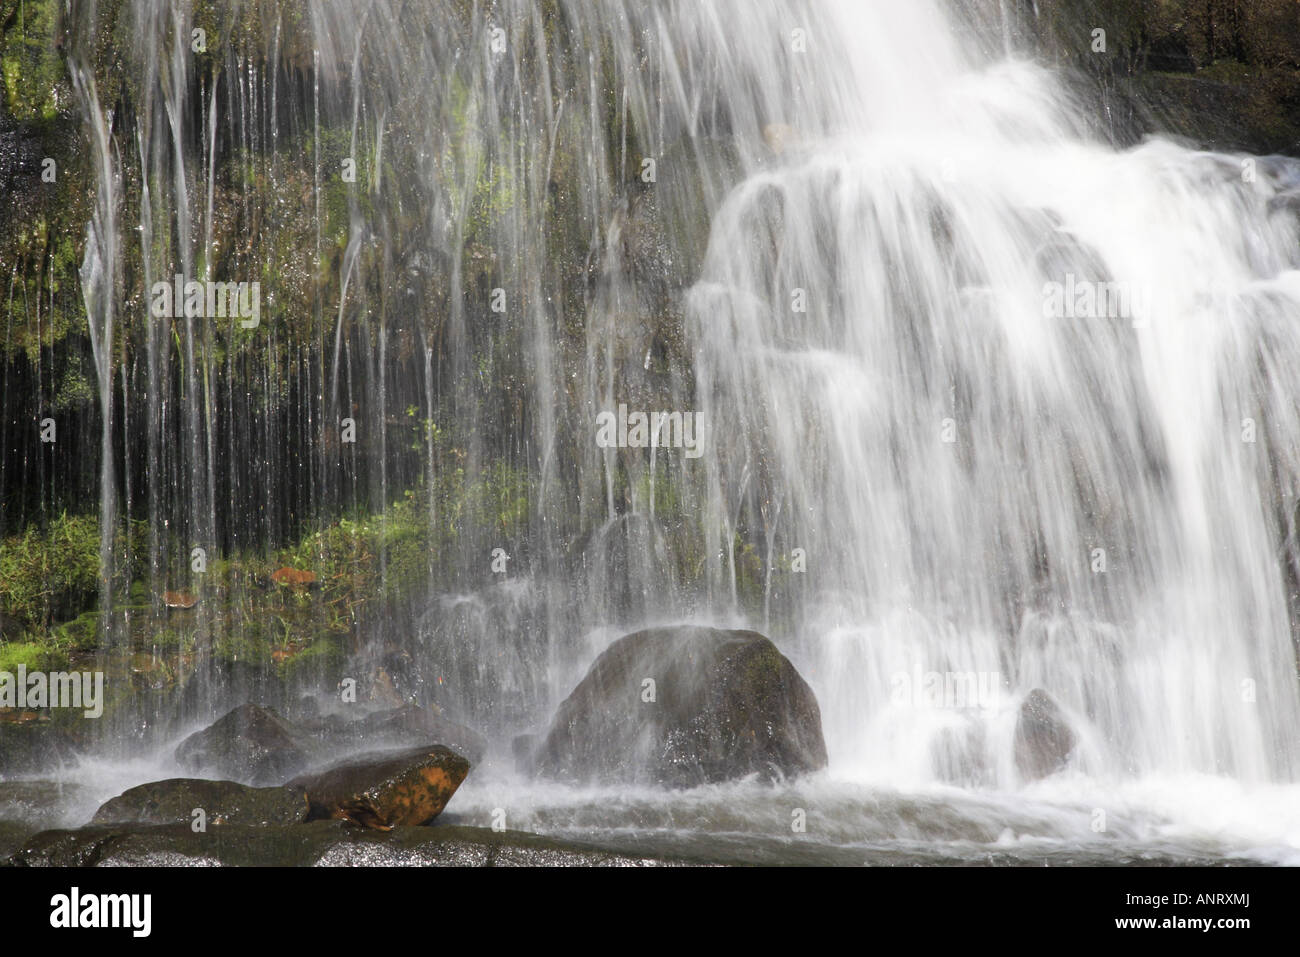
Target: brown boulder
386 789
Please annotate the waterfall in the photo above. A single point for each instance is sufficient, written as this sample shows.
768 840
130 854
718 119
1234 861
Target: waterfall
987 479
981 397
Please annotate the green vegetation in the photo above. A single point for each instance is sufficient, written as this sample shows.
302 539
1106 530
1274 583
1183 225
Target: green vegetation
34 656
433 208
29 60
295 607
50 574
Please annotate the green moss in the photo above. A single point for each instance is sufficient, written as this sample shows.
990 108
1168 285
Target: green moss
762 668
494 196
326 653
332 148
44 221
362 563
31 655
179 638
42 304
80 634
75 389
246 646
32 68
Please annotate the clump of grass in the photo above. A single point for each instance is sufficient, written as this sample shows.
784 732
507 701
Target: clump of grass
36 657
50 574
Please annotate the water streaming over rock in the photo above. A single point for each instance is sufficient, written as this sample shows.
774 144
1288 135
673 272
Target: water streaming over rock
979 394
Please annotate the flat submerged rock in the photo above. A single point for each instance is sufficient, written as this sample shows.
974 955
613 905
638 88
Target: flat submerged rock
175 800
320 843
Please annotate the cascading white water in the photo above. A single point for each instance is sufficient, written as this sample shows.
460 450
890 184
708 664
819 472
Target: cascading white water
979 479
983 482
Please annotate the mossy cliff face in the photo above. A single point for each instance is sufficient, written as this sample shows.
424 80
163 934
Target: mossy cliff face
45 188
379 217
411 259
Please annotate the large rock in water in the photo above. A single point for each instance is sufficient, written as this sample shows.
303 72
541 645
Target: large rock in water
1043 737
223 802
386 789
723 705
250 744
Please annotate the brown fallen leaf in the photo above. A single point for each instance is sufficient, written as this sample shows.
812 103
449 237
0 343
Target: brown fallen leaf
179 599
292 576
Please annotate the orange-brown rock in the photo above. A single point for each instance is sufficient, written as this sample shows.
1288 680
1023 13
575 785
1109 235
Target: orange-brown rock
387 789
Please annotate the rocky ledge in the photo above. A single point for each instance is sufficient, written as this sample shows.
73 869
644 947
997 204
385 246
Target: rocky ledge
321 843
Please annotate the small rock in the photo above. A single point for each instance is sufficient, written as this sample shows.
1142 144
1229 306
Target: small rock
780 137
383 690
179 599
1043 737
251 744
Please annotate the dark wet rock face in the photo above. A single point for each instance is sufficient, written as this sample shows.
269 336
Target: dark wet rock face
11 629
1043 737
174 801
385 790
1227 78
251 744
522 748
686 706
